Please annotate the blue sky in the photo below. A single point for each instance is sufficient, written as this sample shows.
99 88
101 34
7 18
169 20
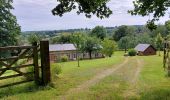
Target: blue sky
34 15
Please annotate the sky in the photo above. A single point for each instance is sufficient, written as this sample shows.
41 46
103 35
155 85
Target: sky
35 15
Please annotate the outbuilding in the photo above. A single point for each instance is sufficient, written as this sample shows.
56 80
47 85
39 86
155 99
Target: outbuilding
57 51
145 49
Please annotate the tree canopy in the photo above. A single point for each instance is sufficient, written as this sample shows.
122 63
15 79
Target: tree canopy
108 47
120 32
9 30
159 42
91 44
88 7
99 32
157 8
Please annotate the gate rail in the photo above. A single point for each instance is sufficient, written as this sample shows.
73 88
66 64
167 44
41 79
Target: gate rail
27 52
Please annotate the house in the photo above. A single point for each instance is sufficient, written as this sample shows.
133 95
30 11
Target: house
145 49
69 50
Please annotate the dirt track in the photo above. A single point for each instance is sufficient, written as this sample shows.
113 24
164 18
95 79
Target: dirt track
128 70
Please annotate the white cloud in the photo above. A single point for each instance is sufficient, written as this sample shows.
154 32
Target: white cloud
36 15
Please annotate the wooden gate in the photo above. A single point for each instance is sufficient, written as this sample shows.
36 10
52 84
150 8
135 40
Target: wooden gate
41 71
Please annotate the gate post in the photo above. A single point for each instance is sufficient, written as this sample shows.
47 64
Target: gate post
35 62
45 62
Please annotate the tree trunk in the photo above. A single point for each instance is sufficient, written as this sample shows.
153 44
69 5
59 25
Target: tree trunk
78 59
90 55
125 49
159 52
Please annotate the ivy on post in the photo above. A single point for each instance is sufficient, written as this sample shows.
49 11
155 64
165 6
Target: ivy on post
45 62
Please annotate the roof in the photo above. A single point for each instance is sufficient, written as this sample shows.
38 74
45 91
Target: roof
142 47
62 47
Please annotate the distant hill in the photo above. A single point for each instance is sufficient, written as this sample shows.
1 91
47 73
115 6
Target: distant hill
52 33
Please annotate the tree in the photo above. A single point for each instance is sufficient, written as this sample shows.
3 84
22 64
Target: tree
91 44
160 29
108 47
99 32
167 25
64 38
77 40
54 39
120 32
88 7
159 42
157 8
9 30
124 43
33 38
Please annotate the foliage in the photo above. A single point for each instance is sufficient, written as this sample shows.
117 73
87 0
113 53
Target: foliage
54 39
9 29
167 25
64 58
78 41
64 38
121 32
108 47
159 42
91 44
160 29
57 70
99 31
124 43
157 8
33 38
132 52
88 7
131 41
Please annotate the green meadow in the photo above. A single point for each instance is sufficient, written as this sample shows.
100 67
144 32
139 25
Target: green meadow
115 78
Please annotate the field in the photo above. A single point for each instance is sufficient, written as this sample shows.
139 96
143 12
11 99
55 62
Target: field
114 78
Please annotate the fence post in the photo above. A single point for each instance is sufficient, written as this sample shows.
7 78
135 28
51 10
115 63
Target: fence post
45 62
35 61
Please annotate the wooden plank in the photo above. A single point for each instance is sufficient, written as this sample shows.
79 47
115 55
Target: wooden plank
16 75
35 61
21 66
15 47
3 63
8 66
1 73
16 83
45 62
13 58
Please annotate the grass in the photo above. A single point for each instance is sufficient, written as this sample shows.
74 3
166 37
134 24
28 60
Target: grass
70 77
152 82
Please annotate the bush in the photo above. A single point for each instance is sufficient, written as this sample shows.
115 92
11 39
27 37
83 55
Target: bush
57 69
132 52
64 59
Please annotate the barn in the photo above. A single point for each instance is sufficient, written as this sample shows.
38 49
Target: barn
145 49
59 50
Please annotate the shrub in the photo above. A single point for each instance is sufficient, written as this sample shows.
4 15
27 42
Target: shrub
64 59
57 69
132 52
